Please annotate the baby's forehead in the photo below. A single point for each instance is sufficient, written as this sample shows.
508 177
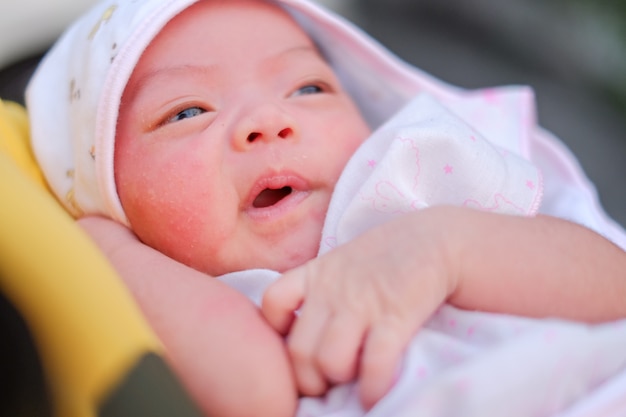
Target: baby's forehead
224 24
231 12
215 34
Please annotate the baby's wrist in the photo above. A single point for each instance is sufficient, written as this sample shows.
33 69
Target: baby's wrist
452 235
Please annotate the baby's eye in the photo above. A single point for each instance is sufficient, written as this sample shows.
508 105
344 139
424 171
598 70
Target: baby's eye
308 89
186 114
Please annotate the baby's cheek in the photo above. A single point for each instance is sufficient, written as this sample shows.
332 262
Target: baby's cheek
159 204
182 204
177 229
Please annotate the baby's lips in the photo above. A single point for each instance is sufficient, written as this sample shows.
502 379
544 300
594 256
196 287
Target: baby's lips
271 188
271 196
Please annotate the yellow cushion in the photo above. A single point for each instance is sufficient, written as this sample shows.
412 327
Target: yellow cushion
85 323
14 134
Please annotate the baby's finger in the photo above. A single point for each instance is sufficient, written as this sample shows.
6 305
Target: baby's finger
340 347
281 299
302 344
382 353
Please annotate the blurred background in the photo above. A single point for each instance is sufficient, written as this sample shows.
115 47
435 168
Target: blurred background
573 52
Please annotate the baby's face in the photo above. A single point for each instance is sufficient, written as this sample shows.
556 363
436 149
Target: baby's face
232 134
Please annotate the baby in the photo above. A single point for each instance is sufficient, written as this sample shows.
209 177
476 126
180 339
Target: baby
218 131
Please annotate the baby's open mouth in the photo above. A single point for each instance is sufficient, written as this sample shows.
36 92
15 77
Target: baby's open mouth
270 196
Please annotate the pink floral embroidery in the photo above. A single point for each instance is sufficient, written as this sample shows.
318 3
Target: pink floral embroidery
490 95
331 242
500 203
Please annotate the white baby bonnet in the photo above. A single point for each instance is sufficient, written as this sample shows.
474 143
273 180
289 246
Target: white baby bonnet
74 96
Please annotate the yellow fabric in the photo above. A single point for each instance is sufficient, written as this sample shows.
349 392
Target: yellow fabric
87 327
14 134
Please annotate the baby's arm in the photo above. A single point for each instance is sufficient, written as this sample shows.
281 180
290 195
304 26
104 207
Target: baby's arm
540 267
364 300
230 360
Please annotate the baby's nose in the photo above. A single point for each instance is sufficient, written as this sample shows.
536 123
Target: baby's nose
264 124
285 133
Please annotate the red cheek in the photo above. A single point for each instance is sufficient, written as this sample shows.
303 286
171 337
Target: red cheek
163 197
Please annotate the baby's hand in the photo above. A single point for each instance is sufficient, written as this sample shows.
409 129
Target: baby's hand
360 305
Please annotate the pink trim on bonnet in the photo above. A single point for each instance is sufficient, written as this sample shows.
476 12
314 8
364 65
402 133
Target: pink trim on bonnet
114 85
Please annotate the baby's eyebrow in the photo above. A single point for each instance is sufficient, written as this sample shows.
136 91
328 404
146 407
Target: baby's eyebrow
183 69
306 54
301 49
208 71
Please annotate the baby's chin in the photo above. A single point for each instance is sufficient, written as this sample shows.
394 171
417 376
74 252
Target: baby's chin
286 266
275 263
295 258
